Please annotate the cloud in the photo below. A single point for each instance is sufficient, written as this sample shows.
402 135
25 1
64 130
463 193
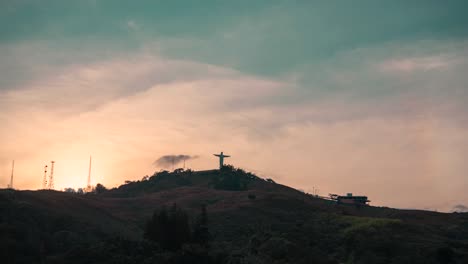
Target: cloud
337 143
408 65
460 208
83 86
354 120
132 25
119 110
167 161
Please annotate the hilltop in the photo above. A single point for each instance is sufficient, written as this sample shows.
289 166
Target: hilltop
250 220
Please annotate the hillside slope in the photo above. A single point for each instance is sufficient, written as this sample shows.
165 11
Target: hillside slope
251 220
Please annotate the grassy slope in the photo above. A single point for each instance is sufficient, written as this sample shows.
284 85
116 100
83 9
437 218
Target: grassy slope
276 211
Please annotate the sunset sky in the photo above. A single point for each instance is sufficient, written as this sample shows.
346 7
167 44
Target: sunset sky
368 97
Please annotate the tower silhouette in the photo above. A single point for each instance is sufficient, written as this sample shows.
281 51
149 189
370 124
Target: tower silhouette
88 186
12 173
44 179
51 176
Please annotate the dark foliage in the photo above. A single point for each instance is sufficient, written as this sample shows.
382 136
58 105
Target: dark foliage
100 188
269 223
270 180
232 179
162 180
169 228
201 232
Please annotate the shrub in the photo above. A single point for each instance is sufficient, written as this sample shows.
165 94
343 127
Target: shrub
169 228
100 188
201 233
232 179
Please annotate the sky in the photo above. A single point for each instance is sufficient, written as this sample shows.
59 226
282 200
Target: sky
366 97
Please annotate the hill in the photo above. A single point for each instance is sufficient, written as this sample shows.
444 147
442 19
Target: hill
249 220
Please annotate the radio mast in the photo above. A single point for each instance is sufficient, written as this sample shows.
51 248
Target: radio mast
12 172
88 187
44 180
51 177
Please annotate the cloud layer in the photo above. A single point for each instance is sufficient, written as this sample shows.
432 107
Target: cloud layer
350 104
168 161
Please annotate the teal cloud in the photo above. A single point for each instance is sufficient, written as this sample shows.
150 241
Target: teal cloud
261 37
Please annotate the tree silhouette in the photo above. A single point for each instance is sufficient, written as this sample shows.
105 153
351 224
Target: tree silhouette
201 233
232 179
100 188
169 228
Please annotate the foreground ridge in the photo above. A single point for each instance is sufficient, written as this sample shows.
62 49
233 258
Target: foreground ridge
230 216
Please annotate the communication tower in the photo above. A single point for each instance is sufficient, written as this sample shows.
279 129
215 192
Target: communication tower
12 172
51 177
44 180
88 187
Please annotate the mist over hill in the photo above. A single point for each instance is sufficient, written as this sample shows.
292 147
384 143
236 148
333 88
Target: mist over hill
218 216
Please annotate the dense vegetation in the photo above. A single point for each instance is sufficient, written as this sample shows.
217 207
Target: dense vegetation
169 228
219 216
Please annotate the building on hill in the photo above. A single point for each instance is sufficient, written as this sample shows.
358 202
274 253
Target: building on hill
349 198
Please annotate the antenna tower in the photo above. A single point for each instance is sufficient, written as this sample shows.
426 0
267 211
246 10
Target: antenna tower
12 171
44 180
89 176
51 177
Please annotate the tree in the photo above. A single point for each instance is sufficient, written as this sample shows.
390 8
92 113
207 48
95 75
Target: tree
201 233
100 188
232 179
178 171
69 190
169 228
